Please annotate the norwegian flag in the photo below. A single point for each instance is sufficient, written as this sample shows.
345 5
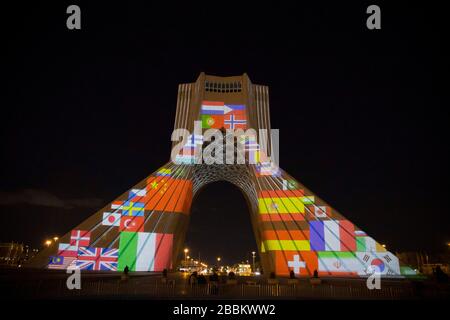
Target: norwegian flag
80 238
235 122
90 258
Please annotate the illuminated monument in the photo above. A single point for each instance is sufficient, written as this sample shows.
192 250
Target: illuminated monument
145 227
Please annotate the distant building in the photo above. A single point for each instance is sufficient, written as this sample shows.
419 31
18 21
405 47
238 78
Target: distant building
244 269
425 263
14 254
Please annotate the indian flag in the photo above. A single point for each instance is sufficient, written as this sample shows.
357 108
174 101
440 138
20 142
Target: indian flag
144 251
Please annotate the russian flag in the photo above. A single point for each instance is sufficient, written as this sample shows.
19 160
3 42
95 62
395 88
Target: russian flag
332 235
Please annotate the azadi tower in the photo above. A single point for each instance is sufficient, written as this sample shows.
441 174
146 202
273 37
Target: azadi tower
145 227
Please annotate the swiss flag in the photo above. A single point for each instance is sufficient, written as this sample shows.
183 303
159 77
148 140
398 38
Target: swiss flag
132 224
303 263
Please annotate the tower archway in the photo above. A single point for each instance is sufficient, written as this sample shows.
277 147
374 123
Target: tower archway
295 230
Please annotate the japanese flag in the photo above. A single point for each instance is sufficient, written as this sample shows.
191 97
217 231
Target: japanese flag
111 219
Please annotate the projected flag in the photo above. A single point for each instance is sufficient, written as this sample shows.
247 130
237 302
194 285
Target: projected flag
235 109
303 263
276 240
61 262
130 208
386 263
67 250
339 263
111 219
212 121
143 251
90 258
281 202
332 235
134 224
235 122
368 244
289 184
217 115
320 211
168 194
79 238
267 169
136 193
213 107
164 172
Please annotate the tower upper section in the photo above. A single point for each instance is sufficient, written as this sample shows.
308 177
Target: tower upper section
210 90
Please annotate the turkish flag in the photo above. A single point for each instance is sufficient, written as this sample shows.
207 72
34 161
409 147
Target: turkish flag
132 224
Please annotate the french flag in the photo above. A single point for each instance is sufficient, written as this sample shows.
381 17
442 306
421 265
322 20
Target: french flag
332 235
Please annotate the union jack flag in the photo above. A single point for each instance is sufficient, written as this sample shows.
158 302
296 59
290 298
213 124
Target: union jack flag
90 258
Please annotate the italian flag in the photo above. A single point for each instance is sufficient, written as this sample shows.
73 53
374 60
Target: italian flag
144 251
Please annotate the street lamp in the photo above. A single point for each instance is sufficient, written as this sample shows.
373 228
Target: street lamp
253 256
55 239
186 250
48 243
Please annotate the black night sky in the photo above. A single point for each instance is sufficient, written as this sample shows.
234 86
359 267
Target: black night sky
86 114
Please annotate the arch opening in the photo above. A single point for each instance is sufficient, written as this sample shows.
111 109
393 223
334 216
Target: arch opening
220 225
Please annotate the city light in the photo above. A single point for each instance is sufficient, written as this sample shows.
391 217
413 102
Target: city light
48 243
218 259
253 256
186 250
55 239
383 245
